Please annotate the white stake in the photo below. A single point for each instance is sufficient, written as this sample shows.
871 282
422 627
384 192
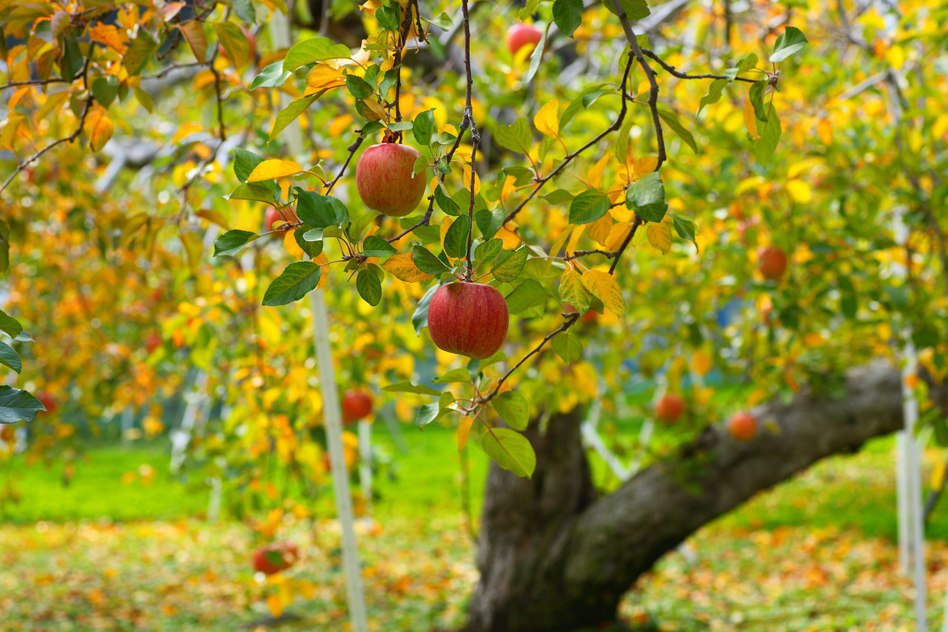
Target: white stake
332 417
365 463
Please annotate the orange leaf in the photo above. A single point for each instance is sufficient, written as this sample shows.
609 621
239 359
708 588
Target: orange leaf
99 127
464 431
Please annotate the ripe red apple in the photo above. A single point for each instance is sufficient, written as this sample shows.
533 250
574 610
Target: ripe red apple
152 342
48 400
468 318
271 217
385 182
669 408
772 262
7 433
275 558
742 426
520 35
356 405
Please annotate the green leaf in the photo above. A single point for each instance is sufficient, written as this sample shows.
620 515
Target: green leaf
443 21
105 89
489 222
140 51
454 375
510 264
426 414
513 409
714 93
9 325
419 319
573 291
9 357
510 450
685 229
446 204
232 242
790 42
244 163
516 137
377 247
320 211
273 76
408 387
766 145
427 262
401 126
289 114
567 14
455 240
588 206
257 192
747 62
313 50
487 250
369 284
528 294
647 197
633 9
568 346
389 16
294 283
359 87
423 127
757 100
18 405
245 11
536 57
312 248
671 119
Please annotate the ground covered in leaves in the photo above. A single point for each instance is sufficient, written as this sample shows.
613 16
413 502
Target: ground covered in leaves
816 554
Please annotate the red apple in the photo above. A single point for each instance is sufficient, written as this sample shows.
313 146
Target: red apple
48 400
7 433
669 408
152 342
468 318
271 217
742 426
588 317
275 558
520 35
772 262
385 182
356 405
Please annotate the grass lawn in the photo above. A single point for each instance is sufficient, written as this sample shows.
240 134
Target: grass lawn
111 551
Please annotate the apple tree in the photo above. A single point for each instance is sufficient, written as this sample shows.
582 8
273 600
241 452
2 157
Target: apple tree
707 204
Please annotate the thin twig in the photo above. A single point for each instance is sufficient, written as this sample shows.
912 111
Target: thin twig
652 80
475 135
684 75
353 148
540 182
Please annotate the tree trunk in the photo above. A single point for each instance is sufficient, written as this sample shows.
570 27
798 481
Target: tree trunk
553 557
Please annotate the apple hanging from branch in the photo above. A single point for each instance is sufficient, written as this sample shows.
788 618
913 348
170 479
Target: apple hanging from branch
385 181
771 262
520 35
468 319
669 408
356 405
742 426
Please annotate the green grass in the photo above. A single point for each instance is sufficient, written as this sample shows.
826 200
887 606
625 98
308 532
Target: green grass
850 491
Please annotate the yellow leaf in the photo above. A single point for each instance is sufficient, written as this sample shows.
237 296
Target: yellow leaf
275 605
660 236
800 191
184 131
509 239
573 291
323 77
547 120
701 362
194 32
403 267
750 120
617 235
274 168
604 287
99 127
599 230
464 431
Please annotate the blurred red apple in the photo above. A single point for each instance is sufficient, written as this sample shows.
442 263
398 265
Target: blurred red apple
275 558
356 405
468 318
48 400
520 35
742 426
669 408
152 342
772 262
271 217
385 182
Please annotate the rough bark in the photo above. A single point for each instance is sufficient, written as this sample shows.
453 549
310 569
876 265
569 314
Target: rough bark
553 557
